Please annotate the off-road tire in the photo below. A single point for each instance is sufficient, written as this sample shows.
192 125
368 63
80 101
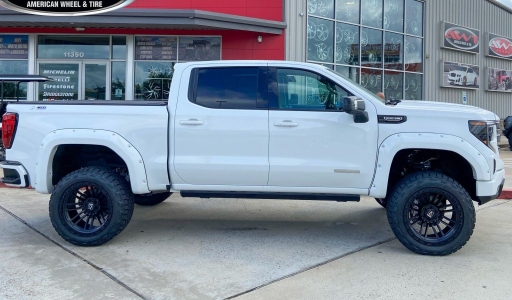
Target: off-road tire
151 199
382 201
112 190
411 188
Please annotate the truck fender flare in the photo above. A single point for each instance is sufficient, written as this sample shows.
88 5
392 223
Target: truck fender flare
401 141
109 139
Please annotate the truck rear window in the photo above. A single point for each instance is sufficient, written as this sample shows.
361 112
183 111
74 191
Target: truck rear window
227 88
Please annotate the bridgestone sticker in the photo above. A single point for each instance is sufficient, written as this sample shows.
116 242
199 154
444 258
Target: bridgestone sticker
64 8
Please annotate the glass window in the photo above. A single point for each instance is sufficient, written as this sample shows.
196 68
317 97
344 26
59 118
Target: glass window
372 80
347 11
394 15
73 47
413 84
320 40
153 80
13 46
371 48
156 47
118 83
347 44
227 88
371 11
349 72
118 47
413 54
8 89
303 90
393 51
393 85
414 17
65 84
322 8
199 48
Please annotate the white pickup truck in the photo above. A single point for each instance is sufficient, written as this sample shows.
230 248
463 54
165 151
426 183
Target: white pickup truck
258 129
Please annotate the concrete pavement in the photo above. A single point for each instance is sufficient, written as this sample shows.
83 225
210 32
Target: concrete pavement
248 249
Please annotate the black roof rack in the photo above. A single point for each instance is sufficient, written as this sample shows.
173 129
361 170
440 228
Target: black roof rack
19 78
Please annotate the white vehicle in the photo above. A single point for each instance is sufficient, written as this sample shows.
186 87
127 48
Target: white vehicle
246 129
463 75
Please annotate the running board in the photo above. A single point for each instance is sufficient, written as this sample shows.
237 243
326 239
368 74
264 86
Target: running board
253 195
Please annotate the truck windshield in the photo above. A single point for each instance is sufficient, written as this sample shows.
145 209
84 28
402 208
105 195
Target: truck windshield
370 93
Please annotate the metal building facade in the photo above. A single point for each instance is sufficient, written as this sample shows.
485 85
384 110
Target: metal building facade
487 16
483 15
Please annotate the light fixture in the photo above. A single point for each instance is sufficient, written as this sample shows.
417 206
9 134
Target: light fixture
79 28
350 2
260 39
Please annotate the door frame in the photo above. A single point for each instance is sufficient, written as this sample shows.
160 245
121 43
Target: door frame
81 74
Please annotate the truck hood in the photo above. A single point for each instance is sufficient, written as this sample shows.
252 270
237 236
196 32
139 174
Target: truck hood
442 108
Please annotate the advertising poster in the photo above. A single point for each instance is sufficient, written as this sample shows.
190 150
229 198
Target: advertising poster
65 84
155 47
459 75
499 80
498 46
194 48
13 46
460 38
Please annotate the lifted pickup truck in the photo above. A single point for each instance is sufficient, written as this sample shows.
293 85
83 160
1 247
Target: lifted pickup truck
258 129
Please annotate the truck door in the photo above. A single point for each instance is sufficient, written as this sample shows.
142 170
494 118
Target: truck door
312 142
221 127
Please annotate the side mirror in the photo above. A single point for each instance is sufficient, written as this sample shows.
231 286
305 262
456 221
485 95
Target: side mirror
356 107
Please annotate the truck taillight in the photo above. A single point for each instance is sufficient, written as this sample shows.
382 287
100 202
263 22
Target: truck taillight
9 123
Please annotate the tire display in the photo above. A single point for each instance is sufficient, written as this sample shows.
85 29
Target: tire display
431 214
90 206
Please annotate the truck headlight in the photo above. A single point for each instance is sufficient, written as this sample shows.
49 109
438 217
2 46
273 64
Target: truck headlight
482 130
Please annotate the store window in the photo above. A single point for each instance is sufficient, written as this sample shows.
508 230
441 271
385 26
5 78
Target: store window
377 43
13 60
155 57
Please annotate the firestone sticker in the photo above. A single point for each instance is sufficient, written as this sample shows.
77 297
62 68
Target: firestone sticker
64 8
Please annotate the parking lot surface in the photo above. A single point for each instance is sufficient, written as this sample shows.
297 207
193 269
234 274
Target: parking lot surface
249 249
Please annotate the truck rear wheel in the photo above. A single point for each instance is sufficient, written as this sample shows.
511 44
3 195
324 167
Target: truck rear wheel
431 214
91 206
151 199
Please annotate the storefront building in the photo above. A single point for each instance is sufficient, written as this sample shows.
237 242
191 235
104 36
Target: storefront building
456 51
129 53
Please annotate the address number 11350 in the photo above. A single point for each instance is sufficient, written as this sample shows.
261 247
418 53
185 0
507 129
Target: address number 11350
74 54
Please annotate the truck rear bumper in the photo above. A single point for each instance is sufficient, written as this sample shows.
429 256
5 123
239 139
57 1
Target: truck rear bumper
15 174
490 190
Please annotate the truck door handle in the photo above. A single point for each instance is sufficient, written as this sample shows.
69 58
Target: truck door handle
286 123
191 122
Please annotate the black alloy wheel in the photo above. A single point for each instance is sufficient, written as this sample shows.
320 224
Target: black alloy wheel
433 216
430 213
90 206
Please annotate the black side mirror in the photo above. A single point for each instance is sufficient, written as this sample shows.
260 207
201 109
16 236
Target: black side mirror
356 107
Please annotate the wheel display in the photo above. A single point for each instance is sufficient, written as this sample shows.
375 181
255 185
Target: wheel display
431 214
91 206
151 199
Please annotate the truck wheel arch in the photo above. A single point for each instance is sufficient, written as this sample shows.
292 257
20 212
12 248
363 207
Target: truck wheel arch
111 140
394 144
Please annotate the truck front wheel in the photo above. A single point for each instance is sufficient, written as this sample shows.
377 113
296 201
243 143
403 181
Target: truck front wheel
431 214
151 199
91 206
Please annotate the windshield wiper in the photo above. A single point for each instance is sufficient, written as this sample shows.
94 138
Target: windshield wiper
393 101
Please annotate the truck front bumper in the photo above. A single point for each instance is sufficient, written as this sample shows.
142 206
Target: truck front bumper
15 174
490 190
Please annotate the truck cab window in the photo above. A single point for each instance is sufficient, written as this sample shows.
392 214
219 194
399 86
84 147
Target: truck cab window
303 90
227 88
